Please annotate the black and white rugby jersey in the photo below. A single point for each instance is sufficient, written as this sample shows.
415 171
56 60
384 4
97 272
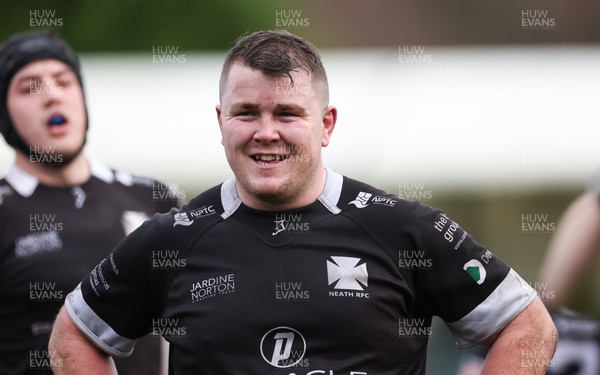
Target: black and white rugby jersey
346 285
50 238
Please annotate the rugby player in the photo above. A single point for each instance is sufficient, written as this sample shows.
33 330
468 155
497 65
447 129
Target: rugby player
292 268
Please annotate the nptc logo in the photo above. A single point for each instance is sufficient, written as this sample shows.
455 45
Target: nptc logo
182 218
283 347
361 200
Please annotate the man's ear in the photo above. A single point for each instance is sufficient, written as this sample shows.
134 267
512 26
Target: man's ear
329 120
218 109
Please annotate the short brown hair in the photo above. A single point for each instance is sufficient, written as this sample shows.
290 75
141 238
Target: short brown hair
277 53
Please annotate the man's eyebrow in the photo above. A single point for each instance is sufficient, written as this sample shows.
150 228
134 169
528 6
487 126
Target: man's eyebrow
29 77
244 106
290 107
26 78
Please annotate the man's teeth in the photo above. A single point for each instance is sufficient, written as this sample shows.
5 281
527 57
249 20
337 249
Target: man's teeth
269 157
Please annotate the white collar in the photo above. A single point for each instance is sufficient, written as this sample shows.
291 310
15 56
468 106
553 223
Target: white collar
25 183
329 197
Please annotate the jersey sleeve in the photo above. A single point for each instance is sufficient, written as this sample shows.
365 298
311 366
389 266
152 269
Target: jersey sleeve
114 304
470 288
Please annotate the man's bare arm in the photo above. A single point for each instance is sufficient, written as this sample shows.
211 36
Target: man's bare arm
525 346
72 353
573 249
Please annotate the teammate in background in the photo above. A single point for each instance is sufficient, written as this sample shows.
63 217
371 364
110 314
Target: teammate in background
568 271
292 268
568 280
61 212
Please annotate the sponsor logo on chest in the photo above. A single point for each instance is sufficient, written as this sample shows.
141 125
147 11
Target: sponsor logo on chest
212 287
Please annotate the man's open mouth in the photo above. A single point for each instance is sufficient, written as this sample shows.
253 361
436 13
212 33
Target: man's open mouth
269 158
57 120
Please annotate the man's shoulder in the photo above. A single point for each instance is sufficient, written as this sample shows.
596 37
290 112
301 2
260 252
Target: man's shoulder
118 177
203 209
387 216
358 197
152 193
8 194
129 180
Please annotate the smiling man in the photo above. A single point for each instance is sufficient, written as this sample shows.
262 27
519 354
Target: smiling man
291 268
264 130
61 212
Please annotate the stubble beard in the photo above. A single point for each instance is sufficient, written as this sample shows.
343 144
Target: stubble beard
291 188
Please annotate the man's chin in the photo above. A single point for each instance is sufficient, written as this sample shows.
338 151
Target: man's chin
270 192
270 195
56 159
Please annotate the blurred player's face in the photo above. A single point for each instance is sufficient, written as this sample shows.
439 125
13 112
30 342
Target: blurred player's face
46 105
272 133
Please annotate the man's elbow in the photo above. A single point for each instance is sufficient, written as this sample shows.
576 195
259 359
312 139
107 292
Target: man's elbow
538 337
542 327
58 345
543 336
72 353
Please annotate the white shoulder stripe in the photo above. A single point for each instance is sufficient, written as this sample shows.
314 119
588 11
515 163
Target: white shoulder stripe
95 328
511 297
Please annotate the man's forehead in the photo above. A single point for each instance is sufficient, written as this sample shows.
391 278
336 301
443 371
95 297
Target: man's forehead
239 70
34 68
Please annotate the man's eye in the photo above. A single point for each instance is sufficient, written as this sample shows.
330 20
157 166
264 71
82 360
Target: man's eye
64 82
287 114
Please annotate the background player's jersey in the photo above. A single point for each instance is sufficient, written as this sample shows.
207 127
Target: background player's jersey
578 349
347 285
50 238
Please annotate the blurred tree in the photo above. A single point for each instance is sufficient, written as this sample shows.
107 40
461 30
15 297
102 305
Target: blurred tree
135 25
